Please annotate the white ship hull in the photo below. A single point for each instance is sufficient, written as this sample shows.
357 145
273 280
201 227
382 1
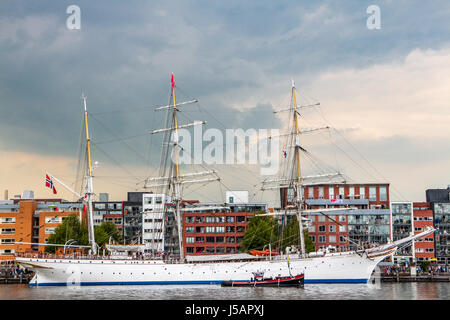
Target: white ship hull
331 268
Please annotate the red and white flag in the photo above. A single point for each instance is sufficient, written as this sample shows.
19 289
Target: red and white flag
49 183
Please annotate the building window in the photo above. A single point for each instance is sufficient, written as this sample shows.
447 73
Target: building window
210 219
199 249
220 239
331 192
189 239
240 219
231 240
342 228
313 239
220 219
321 228
312 229
230 230
342 218
332 239
188 219
148 200
351 192
321 193
341 193
52 219
342 239
199 229
220 249
321 239
362 192
190 229
231 250
200 219
372 193
383 194
158 200
210 229
310 193
220 229
332 228
290 195
8 241
8 231
230 219
8 220
199 239
189 250
321 218
209 239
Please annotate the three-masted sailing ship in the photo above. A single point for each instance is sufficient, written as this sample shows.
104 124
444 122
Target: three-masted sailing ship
327 267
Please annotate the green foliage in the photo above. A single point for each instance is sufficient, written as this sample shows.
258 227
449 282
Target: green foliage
264 230
73 228
260 232
111 231
291 236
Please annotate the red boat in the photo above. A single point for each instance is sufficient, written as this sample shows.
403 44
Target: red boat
259 281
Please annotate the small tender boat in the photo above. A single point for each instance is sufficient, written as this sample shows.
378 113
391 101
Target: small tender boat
259 281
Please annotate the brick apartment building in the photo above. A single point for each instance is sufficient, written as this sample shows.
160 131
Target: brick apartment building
366 225
30 221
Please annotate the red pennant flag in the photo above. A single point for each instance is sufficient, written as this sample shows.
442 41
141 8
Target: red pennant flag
84 205
49 183
173 81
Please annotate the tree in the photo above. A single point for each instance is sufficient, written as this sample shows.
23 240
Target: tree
260 232
112 231
291 236
264 230
73 228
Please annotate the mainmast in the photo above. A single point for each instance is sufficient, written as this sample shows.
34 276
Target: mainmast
293 178
298 183
176 181
89 185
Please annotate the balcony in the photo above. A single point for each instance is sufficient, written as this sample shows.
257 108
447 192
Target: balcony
334 202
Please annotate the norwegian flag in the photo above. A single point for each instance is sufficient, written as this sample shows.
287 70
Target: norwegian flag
49 183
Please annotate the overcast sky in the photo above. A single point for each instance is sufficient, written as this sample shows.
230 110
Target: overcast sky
385 90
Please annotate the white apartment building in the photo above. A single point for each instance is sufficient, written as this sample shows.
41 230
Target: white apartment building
153 220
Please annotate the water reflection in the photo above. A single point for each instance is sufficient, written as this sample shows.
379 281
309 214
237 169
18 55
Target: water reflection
384 291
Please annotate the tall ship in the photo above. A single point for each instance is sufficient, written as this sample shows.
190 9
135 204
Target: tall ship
355 266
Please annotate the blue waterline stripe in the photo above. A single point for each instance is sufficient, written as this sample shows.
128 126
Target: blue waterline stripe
116 283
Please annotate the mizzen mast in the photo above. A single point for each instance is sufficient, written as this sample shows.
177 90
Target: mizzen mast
89 185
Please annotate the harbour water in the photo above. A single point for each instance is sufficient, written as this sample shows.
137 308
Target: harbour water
381 291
